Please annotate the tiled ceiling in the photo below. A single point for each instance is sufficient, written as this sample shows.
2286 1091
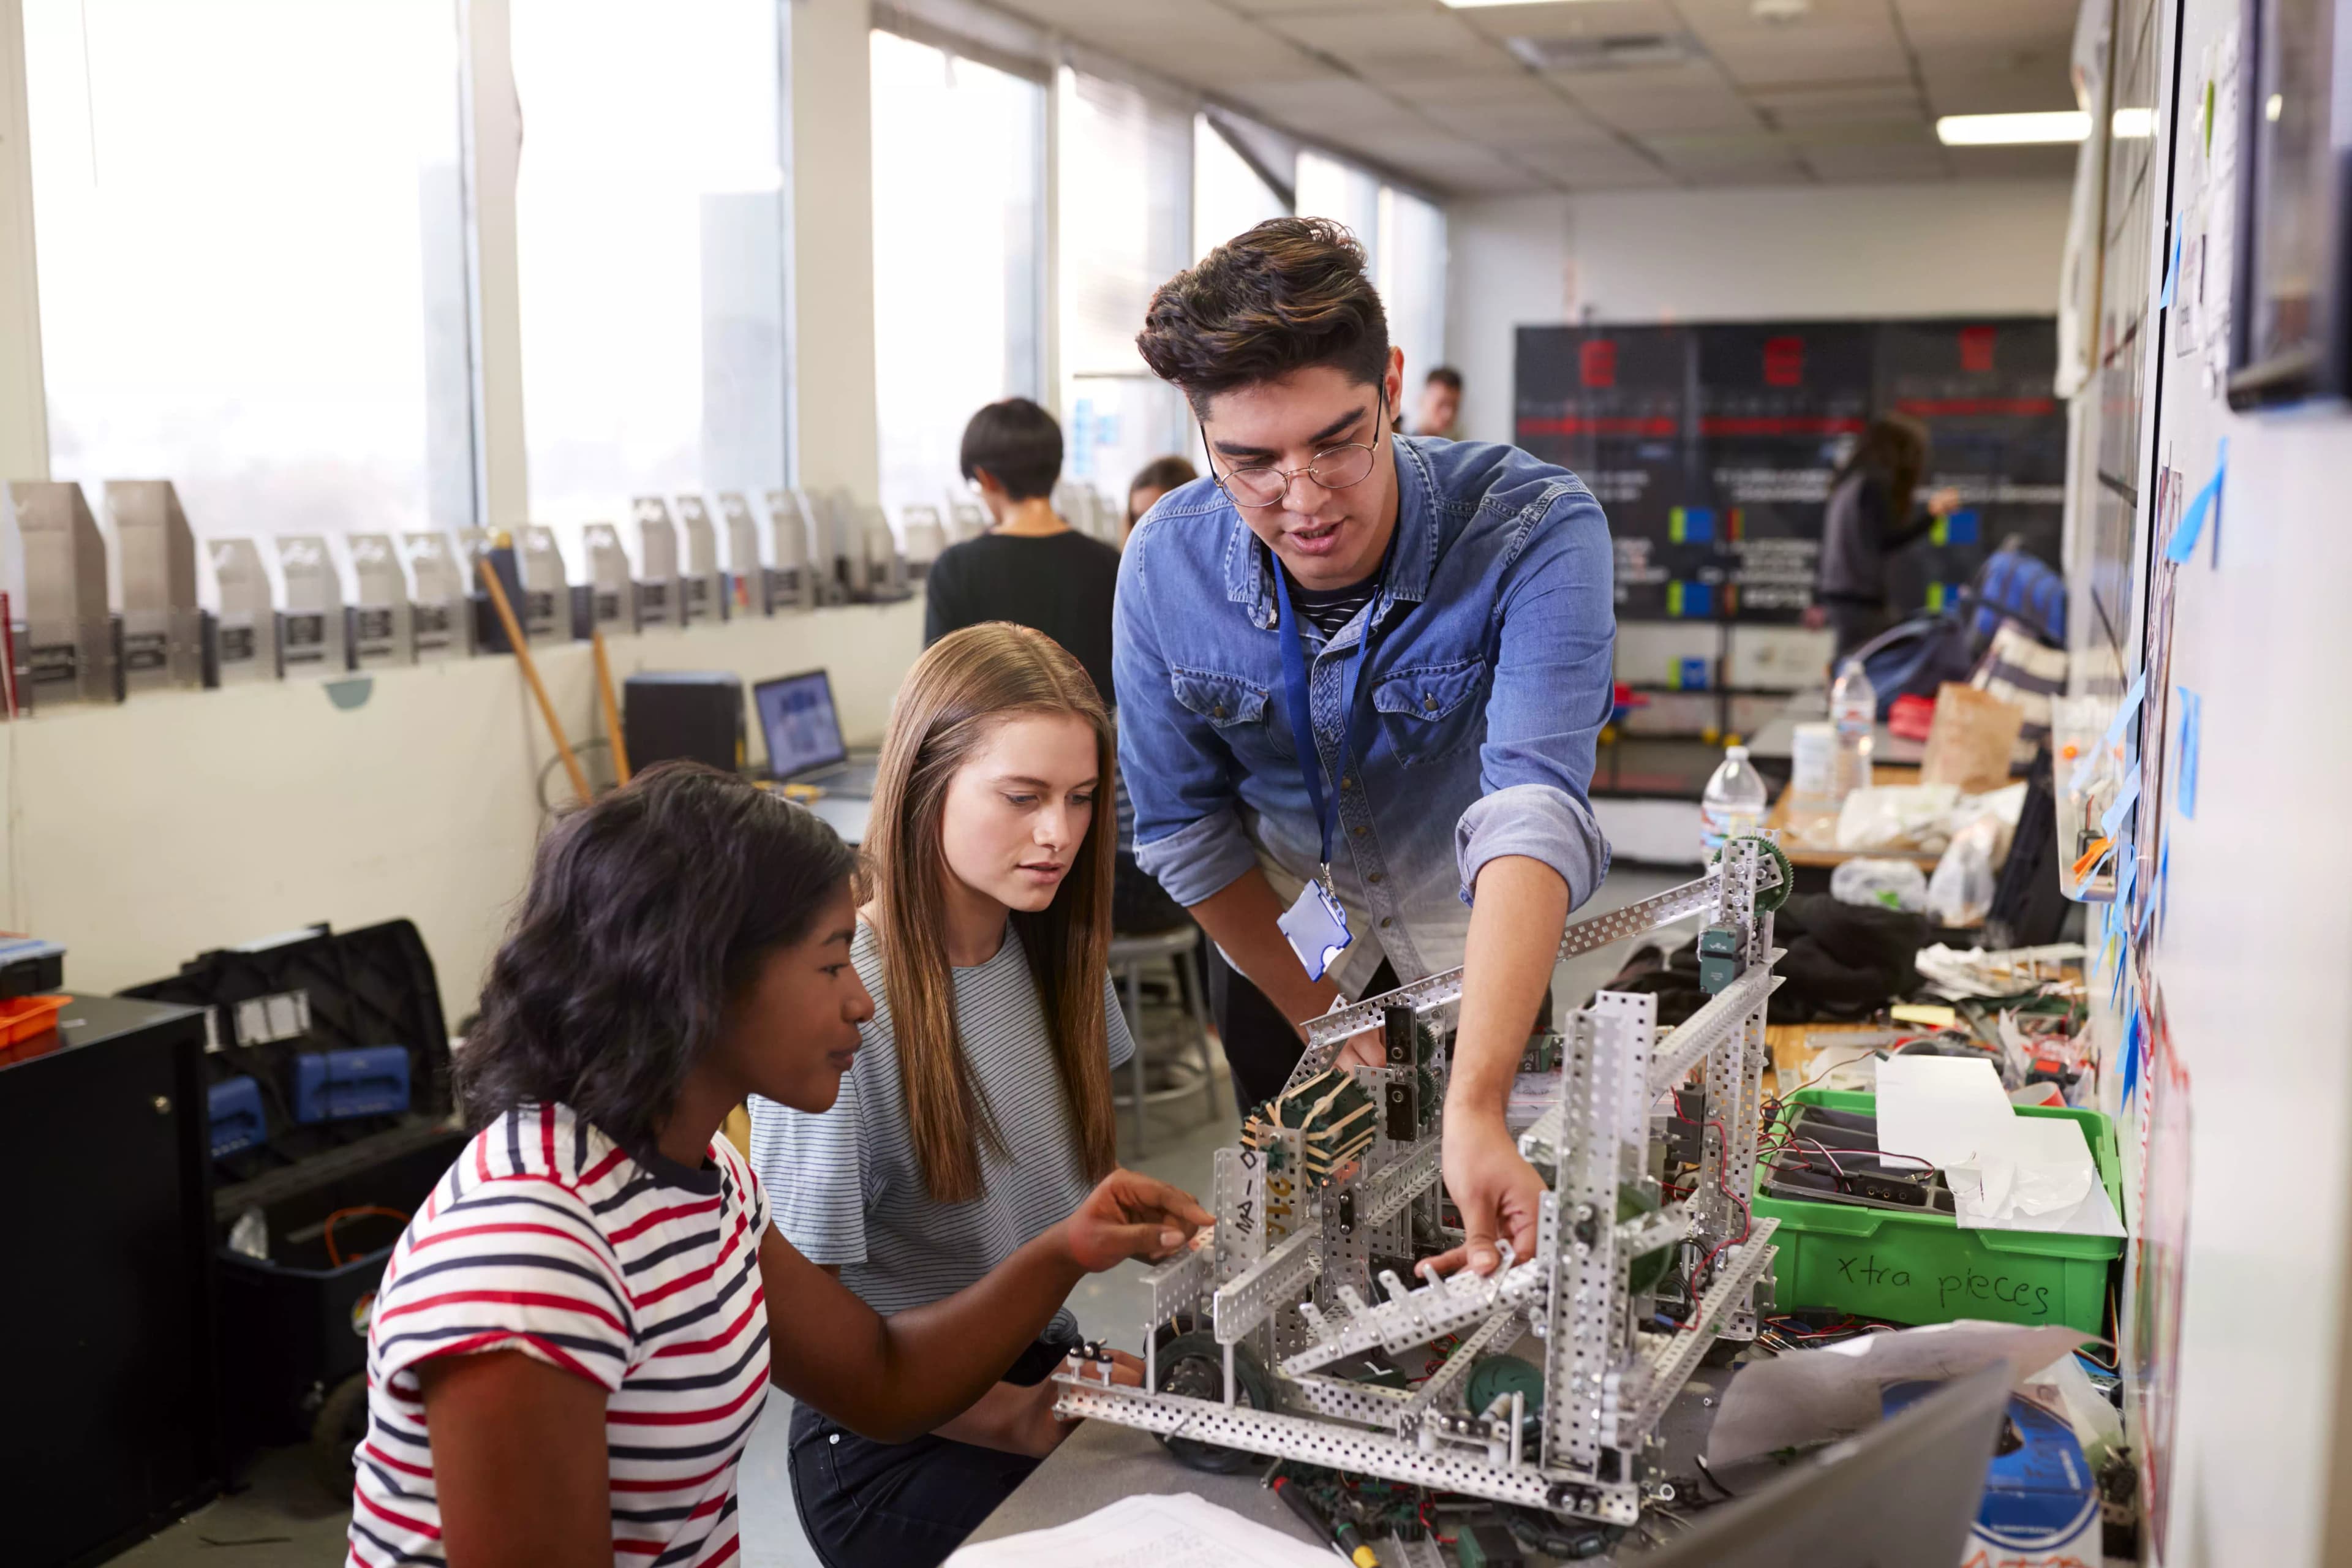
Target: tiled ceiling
1585 95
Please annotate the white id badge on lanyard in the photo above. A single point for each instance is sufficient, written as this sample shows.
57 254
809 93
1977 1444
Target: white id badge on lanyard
1316 927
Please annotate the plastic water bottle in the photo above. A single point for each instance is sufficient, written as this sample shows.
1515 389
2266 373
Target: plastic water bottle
1853 709
1733 801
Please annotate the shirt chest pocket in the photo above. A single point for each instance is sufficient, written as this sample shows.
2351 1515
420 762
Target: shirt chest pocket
1434 711
1243 714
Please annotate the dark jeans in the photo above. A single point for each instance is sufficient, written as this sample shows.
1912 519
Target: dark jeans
865 1504
1853 621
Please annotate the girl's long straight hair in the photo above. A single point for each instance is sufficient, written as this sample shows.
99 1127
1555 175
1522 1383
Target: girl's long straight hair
958 692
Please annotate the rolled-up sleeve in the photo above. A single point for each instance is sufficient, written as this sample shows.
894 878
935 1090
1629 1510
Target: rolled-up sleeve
1179 772
1552 692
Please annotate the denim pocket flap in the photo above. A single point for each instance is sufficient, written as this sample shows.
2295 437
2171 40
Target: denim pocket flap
1224 700
1430 692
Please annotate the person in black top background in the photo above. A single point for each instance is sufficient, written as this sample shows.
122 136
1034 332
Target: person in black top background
1035 570
1871 514
1030 568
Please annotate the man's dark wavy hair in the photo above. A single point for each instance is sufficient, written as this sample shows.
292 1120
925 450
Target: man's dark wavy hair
647 912
1290 293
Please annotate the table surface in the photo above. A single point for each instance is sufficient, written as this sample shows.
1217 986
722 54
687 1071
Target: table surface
1800 855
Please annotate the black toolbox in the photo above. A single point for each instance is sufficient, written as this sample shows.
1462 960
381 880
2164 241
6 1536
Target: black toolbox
327 1183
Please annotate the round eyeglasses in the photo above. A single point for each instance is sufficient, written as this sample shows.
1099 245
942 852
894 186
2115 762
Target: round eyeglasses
1334 468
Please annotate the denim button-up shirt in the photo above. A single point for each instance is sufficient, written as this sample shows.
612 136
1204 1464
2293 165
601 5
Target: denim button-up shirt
1487 668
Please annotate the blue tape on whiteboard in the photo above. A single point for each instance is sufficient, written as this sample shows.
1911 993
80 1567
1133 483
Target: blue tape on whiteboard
2163 885
2192 735
2131 1056
2120 807
2171 269
2201 506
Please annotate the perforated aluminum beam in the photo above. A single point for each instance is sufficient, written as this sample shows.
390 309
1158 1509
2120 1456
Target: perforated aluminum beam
1318 1442
1272 1283
1419 1316
1176 1285
1384 1194
1667 1361
1713 1024
1326 1033
1497 1331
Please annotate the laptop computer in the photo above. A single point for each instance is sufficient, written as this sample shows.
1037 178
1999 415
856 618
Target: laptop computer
802 734
1899 1495
803 730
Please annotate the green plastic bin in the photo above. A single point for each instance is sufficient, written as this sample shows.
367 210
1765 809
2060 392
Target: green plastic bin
1924 1268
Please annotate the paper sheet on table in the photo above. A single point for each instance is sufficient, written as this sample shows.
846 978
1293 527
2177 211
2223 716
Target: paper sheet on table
2006 1171
1811 1396
1181 1530
1947 1111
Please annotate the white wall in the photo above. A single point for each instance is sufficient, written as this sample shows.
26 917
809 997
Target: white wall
1795 252
835 444
142 835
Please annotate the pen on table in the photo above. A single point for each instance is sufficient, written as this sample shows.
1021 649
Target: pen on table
1342 1535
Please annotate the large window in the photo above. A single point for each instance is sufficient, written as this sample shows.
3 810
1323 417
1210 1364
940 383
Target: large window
250 238
1329 188
1228 196
649 217
1411 273
1126 228
958 256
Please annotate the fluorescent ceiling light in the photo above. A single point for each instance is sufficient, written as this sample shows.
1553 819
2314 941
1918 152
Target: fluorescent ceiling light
2012 130
2135 124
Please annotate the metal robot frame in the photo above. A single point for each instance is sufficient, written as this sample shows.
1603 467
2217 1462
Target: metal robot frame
1289 1281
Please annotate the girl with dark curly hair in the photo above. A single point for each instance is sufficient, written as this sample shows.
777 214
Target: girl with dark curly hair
573 1337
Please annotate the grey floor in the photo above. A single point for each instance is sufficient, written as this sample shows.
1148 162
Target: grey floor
283 1519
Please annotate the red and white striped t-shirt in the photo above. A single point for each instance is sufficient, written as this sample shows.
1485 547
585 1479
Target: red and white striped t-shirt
545 1237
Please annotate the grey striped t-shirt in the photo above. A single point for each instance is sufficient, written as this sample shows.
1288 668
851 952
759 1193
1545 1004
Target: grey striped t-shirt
846 1188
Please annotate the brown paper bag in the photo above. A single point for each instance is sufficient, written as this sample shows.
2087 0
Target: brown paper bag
1969 740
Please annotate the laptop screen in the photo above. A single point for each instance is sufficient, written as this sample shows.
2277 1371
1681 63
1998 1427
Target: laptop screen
796 716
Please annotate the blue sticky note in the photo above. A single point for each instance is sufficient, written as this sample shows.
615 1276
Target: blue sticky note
2171 269
2192 732
2131 1055
2192 521
2120 807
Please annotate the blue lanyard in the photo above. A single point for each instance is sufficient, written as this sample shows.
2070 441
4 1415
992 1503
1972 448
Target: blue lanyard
1302 721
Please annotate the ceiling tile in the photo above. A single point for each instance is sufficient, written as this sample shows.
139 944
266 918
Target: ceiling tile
1333 103
1880 160
1775 61
1996 87
1554 121
1593 18
1841 105
2013 24
1335 7
1510 87
1638 101
1389 44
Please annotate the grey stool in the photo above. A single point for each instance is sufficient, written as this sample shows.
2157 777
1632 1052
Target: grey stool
1129 954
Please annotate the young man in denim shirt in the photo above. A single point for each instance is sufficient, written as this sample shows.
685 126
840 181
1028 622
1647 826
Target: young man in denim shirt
1449 652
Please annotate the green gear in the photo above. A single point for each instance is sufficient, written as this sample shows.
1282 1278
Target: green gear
1767 899
1499 1376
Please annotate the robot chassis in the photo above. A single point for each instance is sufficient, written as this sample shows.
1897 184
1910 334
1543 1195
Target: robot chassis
1287 1285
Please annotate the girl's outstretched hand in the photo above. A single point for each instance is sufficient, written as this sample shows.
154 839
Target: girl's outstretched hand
1130 1216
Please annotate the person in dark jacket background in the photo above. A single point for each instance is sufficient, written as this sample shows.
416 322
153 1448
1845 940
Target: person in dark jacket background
1872 513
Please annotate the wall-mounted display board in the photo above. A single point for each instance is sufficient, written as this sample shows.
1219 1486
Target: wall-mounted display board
1712 447
2293 309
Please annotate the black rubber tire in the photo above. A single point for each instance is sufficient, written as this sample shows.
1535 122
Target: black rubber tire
336 1433
1251 1387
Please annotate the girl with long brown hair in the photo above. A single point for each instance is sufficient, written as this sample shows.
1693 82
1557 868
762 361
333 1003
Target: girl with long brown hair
979 1111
